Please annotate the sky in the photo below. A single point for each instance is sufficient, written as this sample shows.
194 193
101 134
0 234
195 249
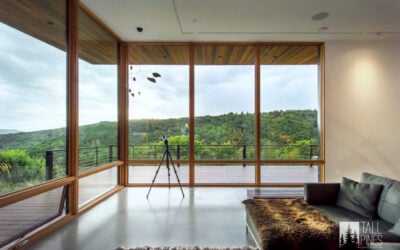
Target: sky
33 88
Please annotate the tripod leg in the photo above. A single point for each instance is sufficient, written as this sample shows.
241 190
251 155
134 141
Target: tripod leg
176 173
155 175
169 174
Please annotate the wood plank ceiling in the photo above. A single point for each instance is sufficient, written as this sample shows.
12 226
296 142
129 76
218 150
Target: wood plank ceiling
44 20
233 54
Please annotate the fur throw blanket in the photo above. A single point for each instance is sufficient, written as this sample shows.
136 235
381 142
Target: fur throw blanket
291 224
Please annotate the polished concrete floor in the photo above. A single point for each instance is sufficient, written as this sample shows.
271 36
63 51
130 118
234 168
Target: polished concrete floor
204 217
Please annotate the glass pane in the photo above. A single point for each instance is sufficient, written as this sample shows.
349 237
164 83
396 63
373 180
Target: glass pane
224 102
33 93
145 174
20 217
98 82
290 102
290 173
158 101
225 173
94 185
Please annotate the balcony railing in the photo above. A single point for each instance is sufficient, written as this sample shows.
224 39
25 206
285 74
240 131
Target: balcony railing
90 157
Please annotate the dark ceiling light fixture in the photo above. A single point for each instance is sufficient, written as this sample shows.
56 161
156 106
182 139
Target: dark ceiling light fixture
136 78
49 22
320 16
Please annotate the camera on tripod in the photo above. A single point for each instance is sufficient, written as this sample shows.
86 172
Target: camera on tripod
166 156
165 140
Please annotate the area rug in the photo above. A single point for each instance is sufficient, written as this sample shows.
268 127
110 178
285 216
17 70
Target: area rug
291 224
186 248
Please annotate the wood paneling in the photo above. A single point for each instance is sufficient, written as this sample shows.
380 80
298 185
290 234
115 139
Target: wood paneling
223 54
158 54
96 45
289 54
44 20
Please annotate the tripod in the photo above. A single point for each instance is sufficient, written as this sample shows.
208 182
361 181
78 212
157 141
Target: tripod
168 158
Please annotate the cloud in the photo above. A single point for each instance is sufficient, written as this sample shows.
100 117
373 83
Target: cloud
32 83
33 87
286 87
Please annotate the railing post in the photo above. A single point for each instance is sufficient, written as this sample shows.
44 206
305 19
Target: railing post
244 154
49 165
178 154
310 153
110 153
97 155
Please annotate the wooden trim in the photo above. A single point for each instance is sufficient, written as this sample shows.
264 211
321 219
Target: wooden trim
257 114
28 241
123 113
220 185
72 104
254 161
191 114
152 162
224 43
99 169
35 190
99 199
98 21
322 99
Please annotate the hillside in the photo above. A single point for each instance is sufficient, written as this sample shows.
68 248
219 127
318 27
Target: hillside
278 127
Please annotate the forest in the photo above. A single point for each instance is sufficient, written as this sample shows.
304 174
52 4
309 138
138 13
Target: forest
287 134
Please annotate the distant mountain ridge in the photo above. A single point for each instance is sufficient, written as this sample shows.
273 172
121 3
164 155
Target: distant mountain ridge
8 131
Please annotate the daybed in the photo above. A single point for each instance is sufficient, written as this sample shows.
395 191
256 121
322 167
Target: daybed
373 203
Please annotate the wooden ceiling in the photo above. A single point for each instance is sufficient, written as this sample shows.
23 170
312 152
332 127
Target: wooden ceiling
46 20
96 45
233 54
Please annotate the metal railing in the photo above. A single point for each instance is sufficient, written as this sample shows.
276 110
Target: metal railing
90 157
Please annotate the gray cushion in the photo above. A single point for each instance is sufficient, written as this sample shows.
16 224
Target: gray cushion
396 229
389 202
360 198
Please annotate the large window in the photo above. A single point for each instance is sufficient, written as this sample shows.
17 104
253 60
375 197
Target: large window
290 111
224 112
236 114
33 95
33 66
98 77
158 106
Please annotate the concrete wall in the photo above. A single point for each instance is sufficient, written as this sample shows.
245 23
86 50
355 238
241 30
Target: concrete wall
362 109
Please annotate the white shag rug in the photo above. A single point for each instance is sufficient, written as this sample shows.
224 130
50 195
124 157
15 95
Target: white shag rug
186 248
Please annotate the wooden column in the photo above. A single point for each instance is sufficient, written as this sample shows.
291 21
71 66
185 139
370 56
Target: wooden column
72 104
191 115
257 114
123 113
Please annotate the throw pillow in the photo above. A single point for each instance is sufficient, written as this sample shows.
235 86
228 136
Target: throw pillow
395 229
360 198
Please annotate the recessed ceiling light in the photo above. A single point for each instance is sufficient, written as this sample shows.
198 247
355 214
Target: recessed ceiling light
320 16
323 28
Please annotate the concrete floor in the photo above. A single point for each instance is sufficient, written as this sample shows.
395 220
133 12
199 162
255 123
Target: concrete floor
204 217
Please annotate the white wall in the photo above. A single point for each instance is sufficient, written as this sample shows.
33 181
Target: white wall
362 109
